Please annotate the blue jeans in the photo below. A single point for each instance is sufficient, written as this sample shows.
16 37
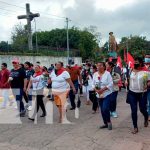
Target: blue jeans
113 102
72 95
18 94
104 105
133 99
148 98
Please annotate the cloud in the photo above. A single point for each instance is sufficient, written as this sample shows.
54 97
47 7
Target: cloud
129 19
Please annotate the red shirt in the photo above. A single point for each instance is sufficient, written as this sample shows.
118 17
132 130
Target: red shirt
74 73
4 75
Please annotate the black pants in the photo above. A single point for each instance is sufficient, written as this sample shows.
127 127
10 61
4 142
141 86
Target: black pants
81 90
133 100
72 95
39 102
92 96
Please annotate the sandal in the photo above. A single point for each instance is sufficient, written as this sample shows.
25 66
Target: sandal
135 131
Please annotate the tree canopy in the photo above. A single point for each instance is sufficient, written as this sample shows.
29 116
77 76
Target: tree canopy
83 40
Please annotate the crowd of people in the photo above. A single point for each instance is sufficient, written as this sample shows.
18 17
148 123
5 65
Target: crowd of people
99 83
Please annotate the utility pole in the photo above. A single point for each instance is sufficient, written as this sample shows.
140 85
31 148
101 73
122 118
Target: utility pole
29 16
68 52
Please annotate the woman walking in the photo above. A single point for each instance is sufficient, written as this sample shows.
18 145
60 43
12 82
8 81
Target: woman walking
138 93
61 83
37 84
92 94
103 84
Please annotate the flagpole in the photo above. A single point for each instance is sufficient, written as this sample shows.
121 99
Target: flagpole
127 50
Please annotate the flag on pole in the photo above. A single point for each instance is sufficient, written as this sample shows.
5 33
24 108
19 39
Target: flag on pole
119 62
130 60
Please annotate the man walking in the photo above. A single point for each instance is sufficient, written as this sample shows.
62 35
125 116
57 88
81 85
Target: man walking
18 84
4 85
75 75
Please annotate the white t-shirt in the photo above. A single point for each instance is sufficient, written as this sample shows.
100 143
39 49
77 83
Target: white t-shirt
104 81
137 81
59 83
90 82
37 82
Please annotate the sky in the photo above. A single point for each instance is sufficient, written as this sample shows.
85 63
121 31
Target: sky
123 17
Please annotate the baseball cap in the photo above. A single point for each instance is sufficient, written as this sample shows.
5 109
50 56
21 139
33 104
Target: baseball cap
15 61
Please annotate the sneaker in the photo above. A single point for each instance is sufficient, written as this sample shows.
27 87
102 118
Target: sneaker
26 106
31 119
114 114
103 126
29 108
109 126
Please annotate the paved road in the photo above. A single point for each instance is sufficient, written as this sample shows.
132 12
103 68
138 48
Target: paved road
83 134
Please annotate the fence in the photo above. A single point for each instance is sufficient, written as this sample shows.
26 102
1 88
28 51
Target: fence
42 51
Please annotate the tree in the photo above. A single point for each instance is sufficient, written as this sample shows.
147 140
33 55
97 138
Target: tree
137 45
19 37
94 30
88 45
78 39
4 46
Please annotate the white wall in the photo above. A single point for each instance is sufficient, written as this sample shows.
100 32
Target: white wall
45 60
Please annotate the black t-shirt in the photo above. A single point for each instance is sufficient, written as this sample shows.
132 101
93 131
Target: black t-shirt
18 78
29 73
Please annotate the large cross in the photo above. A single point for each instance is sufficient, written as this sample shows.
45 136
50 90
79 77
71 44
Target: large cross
29 16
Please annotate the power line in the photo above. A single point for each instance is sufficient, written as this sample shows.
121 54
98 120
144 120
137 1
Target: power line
4 14
46 17
50 14
12 5
10 11
33 10
16 13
